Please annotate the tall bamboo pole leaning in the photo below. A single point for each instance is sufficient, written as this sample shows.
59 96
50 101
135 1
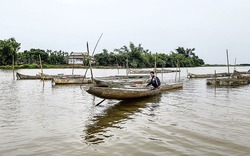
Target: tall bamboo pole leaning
93 53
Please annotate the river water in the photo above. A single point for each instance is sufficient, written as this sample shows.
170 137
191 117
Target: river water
37 118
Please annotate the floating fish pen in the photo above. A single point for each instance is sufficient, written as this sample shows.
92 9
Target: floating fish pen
235 79
190 75
227 82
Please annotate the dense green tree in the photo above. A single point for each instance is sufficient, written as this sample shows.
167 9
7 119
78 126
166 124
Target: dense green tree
140 58
8 51
102 59
32 56
48 57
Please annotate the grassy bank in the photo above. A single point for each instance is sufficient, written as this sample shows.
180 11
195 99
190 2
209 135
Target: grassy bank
48 66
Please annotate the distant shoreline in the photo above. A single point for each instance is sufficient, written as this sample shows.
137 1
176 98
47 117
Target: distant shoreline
45 66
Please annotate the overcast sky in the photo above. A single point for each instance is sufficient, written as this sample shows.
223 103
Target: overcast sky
209 26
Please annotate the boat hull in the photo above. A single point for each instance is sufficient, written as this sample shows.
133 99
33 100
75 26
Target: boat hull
70 80
122 93
45 76
125 93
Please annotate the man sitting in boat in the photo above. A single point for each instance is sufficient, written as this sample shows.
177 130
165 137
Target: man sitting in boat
155 81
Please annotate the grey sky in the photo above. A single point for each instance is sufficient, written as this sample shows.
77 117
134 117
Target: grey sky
209 26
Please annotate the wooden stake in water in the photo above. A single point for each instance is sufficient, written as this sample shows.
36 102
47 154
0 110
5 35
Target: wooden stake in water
234 64
155 63
127 70
41 68
227 63
13 66
90 66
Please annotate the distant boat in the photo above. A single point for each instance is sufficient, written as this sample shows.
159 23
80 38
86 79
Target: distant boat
143 71
44 76
23 76
70 80
126 93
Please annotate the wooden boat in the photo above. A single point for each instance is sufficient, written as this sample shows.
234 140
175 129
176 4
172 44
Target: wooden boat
70 80
165 87
44 76
137 71
105 82
125 93
130 76
122 93
22 76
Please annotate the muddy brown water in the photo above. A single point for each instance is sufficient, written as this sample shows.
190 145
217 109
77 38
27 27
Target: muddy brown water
37 118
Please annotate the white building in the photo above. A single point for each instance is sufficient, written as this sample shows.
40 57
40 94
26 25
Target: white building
77 57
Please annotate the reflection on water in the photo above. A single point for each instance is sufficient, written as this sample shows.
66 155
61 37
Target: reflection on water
114 116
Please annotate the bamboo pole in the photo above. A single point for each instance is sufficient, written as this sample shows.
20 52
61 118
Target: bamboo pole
234 64
127 67
93 53
41 66
176 70
73 64
155 64
179 71
90 66
13 66
227 62
117 65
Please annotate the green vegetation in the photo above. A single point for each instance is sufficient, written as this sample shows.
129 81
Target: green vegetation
134 56
8 51
140 58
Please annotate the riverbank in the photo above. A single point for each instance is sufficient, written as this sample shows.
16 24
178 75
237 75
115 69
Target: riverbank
50 66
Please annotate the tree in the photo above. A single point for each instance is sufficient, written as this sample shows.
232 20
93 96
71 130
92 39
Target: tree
186 57
8 51
186 52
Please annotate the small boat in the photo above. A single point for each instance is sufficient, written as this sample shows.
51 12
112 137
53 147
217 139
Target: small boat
172 86
122 93
130 76
125 93
28 77
44 76
70 80
114 82
137 71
